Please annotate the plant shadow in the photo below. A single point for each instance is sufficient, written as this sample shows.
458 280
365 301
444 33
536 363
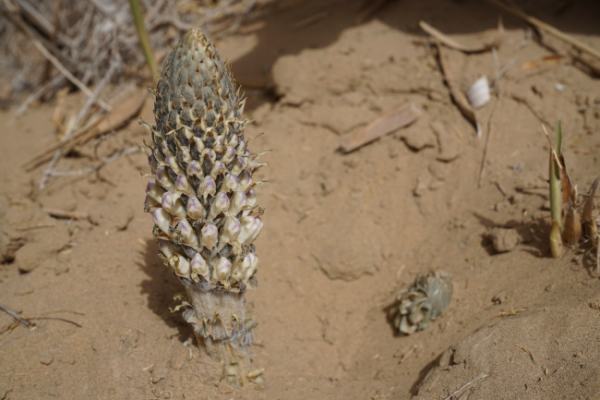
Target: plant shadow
291 27
414 389
160 288
590 258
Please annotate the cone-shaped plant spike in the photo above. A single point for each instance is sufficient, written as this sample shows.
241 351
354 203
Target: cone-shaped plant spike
202 198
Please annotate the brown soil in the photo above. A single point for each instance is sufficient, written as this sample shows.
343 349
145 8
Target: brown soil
343 233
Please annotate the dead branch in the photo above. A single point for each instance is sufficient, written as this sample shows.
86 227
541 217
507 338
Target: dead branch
81 40
453 44
536 113
98 126
68 321
78 119
45 88
543 27
103 162
457 95
64 214
61 68
16 316
488 135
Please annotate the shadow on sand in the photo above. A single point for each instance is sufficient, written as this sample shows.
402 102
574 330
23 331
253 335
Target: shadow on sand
290 27
160 287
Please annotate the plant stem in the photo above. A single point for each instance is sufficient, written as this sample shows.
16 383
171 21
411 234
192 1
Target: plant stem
138 20
555 184
556 245
222 327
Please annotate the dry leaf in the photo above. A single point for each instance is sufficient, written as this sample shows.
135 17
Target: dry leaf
572 225
569 191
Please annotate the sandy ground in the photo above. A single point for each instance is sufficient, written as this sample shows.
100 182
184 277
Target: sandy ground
343 232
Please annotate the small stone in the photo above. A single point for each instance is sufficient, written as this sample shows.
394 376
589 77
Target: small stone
64 255
422 185
417 139
504 240
499 298
449 144
61 269
9 247
516 198
438 171
446 358
46 359
124 219
501 206
159 373
328 184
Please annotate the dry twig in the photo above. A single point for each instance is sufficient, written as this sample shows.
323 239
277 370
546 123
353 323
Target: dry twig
39 93
536 113
69 75
459 391
311 19
453 44
64 214
369 9
68 321
26 322
488 135
98 126
78 119
544 27
16 316
103 162
457 95
81 40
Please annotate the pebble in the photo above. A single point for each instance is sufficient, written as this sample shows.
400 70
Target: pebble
450 146
499 298
46 359
504 240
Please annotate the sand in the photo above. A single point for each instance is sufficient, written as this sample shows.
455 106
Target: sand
343 232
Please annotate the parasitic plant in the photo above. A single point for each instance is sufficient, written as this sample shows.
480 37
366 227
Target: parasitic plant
202 198
423 302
